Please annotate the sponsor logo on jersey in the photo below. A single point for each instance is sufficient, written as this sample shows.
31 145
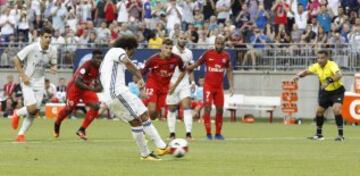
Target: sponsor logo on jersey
216 68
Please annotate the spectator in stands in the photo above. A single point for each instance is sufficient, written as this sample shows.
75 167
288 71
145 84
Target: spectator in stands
124 30
198 18
5 59
313 7
109 12
209 9
58 14
324 18
8 94
223 9
71 22
174 15
301 17
103 33
320 38
345 31
213 23
61 90
280 9
282 37
83 10
269 31
253 8
7 24
262 17
123 15
50 91
258 41
334 6
308 35
188 13
23 26
57 40
340 18
296 34
12 47
155 42
134 8
243 17
143 33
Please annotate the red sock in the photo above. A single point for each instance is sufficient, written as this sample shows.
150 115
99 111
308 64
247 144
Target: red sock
207 122
218 122
63 114
90 116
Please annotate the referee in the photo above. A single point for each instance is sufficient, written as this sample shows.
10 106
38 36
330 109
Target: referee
331 92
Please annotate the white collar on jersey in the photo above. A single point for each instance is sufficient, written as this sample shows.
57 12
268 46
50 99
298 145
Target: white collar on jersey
41 50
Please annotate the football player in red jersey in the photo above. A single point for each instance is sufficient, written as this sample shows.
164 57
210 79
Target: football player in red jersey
159 69
217 62
83 86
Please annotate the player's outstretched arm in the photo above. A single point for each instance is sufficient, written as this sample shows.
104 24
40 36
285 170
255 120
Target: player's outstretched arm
20 70
299 75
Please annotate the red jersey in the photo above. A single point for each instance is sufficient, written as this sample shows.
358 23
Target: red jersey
216 65
90 73
160 70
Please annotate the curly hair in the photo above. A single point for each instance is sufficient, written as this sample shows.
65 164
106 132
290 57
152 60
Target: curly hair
126 42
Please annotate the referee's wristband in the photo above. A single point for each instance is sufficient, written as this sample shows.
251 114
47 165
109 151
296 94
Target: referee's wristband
329 80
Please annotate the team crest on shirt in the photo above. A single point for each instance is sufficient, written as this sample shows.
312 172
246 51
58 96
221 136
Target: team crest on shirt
172 66
224 61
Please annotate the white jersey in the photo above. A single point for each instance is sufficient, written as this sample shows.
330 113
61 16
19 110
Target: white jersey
187 58
35 61
112 73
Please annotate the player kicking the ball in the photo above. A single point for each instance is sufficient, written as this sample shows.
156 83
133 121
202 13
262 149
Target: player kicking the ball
117 94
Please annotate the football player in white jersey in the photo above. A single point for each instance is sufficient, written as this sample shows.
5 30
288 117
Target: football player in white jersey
35 58
182 93
116 94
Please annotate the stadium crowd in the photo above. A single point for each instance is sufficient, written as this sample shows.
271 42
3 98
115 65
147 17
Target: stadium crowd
248 25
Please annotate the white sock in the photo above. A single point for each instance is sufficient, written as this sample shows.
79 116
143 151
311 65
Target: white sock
188 120
22 111
153 134
138 135
26 124
171 120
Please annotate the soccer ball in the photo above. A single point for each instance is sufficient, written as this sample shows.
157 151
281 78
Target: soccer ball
178 147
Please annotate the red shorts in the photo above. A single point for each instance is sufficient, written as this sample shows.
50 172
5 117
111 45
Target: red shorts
155 95
74 95
196 104
213 95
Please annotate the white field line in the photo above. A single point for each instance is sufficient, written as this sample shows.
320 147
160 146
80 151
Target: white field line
54 141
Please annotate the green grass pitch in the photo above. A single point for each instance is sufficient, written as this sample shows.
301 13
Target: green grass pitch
249 149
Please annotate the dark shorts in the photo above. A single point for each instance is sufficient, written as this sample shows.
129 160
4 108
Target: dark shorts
328 98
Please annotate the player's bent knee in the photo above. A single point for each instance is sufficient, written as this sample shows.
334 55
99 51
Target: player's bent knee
32 109
172 108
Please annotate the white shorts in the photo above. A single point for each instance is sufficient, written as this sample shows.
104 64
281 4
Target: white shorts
179 94
126 101
32 96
